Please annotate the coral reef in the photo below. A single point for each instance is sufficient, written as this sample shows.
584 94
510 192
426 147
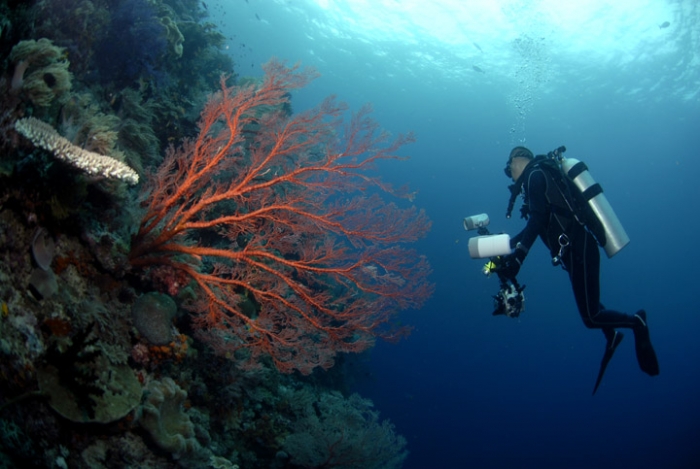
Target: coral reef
84 387
343 432
96 369
76 25
134 47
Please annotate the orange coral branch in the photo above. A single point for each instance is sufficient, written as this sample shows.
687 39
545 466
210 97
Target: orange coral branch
275 219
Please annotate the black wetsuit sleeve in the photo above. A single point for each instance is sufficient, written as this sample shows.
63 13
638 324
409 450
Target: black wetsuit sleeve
535 193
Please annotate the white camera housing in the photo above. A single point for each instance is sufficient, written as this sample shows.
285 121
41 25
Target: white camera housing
481 247
476 221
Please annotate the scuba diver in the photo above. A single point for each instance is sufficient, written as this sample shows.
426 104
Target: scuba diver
561 216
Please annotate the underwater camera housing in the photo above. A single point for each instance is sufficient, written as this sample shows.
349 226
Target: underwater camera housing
477 222
509 300
486 244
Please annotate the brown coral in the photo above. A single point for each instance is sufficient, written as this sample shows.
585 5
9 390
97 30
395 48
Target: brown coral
163 416
41 71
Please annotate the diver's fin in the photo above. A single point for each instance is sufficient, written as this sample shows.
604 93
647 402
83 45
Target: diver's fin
607 356
646 356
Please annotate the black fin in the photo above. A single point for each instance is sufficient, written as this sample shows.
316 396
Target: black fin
607 356
646 356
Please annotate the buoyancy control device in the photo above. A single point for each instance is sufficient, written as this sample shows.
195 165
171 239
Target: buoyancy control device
590 206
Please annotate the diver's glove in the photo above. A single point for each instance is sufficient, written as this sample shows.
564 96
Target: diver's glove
512 262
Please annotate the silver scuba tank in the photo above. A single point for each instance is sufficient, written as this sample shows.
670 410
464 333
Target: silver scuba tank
615 235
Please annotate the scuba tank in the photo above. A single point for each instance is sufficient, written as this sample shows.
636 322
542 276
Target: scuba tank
615 236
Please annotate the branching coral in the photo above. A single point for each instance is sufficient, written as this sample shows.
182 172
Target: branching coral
301 239
44 136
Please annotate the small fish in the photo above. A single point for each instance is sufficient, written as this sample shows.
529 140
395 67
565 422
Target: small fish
477 46
256 15
665 24
477 69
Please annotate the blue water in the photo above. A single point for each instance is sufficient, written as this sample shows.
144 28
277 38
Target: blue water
472 80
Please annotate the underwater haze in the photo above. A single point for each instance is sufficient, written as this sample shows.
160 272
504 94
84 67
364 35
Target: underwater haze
618 83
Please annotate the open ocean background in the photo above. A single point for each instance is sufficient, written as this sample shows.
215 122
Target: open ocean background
472 79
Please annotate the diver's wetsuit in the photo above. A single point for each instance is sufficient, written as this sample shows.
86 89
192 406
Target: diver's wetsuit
549 217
